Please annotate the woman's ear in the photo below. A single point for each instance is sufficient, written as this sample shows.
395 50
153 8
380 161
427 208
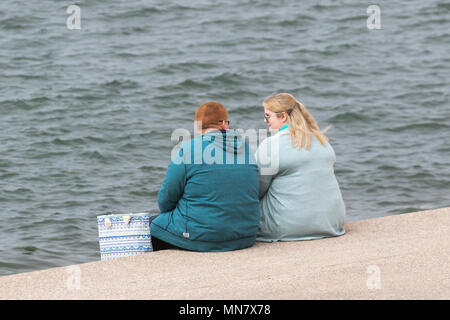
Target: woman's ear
224 125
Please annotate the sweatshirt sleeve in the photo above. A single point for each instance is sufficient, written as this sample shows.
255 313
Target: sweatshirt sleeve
264 184
267 165
172 188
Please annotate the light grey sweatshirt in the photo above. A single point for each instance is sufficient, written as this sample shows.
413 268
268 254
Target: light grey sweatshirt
300 198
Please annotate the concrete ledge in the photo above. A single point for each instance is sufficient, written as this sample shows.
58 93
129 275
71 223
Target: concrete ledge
397 257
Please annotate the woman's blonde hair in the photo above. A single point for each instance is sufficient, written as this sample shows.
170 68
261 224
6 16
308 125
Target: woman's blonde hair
301 123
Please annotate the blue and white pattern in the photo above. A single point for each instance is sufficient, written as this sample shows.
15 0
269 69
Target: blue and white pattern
122 235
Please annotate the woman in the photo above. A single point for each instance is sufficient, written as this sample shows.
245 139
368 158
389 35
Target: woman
299 195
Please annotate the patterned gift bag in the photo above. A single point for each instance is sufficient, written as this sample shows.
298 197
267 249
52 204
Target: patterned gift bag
122 235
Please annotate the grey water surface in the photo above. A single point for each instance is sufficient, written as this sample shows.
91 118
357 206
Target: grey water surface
86 115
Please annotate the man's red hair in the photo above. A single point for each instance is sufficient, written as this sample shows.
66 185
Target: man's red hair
210 114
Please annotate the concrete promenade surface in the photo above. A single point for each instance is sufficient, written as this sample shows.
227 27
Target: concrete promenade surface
396 257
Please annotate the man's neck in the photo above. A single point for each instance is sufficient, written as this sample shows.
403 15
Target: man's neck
213 129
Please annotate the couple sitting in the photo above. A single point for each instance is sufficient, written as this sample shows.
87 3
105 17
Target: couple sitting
227 205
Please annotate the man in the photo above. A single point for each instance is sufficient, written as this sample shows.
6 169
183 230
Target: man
209 198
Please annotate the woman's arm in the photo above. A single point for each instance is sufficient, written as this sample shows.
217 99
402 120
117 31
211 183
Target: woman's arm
268 164
264 184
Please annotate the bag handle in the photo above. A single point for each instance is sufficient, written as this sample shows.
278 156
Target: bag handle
126 219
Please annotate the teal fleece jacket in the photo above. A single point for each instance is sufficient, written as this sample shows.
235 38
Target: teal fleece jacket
209 197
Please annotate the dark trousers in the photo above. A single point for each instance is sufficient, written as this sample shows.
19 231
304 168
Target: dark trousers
158 244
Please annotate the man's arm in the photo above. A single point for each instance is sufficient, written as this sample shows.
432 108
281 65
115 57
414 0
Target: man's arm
172 188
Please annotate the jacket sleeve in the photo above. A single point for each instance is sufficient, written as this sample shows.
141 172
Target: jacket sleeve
268 168
264 183
172 188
